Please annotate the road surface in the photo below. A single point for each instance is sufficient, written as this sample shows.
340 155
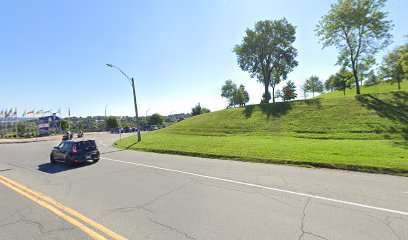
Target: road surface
137 195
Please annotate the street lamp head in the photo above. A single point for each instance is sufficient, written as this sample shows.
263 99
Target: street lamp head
109 65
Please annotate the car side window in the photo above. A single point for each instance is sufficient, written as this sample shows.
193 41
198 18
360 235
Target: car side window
67 147
61 146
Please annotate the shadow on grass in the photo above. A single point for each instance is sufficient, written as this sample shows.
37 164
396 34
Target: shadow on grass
131 145
394 107
316 102
270 109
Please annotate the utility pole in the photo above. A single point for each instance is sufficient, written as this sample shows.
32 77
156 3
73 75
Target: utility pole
139 138
132 82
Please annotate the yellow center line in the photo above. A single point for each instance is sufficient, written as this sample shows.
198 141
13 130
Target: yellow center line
52 205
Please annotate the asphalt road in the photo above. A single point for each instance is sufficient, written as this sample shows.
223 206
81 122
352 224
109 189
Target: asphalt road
155 196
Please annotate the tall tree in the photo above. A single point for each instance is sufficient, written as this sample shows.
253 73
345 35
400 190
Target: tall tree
289 91
228 91
392 68
266 52
340 81
358 29
313 84
241 96
111 123
156 119
303 88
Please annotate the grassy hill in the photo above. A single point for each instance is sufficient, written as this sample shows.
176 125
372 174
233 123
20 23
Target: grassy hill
367 133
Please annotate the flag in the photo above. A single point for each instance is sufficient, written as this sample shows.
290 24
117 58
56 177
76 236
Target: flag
69 112
25 113
59 111
39 111
1 113
31 112
49 111
8 113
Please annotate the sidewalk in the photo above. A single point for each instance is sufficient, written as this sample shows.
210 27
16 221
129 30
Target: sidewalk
39 139
27 140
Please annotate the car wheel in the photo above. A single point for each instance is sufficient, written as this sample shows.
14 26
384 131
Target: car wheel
52 160
96 160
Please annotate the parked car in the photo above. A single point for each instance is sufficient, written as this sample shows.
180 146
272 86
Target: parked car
75 151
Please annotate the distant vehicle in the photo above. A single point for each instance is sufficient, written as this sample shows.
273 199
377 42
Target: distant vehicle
75 151
181 119
67 136
117 130
154 127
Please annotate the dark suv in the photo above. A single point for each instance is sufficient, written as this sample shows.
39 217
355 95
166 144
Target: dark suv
75 151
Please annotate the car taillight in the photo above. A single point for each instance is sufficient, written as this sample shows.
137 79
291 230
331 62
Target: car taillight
74 148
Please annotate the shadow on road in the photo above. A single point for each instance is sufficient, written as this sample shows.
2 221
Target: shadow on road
113 151
52 168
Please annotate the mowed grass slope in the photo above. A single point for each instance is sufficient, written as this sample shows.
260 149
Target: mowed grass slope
365 133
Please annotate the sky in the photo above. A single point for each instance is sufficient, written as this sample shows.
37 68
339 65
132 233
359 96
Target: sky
53 54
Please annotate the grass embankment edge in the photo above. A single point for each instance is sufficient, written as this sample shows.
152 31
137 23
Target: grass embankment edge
306 164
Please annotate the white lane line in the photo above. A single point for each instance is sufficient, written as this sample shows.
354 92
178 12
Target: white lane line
263 187
405 192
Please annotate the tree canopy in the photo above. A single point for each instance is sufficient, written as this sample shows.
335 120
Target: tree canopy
197 110
266 52
112 122
289 91
155 119
394 67
313 84
358 29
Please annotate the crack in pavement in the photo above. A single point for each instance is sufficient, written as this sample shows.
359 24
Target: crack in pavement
302 227
388 224
171 228
165 194
303 219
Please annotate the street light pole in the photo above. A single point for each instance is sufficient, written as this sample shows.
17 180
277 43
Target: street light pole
132 82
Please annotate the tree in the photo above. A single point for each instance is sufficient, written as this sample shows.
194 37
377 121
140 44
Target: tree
197 110
266 52
340 81
313 84
372 79
304 90
241 96
155 119
64 125
112 122
228 91
392 68
289 91
358 29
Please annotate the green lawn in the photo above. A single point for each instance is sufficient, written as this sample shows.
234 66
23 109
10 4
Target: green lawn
365 155
379 88
364 133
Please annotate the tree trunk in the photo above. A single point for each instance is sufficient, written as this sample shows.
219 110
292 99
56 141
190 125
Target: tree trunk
399 84
273 93
356 79
266 93
313 93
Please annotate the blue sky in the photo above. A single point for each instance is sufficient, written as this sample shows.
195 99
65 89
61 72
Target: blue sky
53 53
